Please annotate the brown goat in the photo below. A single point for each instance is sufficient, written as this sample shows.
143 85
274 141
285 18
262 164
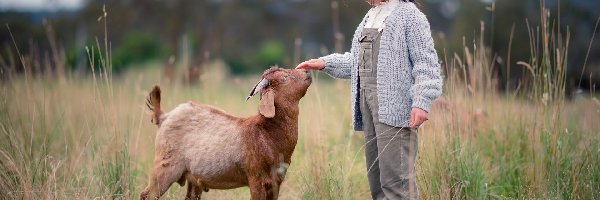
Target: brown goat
210 149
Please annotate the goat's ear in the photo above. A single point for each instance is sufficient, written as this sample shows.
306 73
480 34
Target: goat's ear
267 104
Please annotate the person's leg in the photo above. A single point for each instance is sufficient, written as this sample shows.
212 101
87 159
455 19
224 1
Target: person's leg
397 154
370 149
397 151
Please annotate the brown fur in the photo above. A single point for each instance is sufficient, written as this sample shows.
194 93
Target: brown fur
153 103
266 142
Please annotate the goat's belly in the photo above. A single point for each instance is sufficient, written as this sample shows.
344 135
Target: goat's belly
227 179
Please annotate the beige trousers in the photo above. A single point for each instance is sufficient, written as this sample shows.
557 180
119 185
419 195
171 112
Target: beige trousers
390 151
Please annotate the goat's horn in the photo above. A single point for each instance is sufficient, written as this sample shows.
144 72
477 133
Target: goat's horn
258 87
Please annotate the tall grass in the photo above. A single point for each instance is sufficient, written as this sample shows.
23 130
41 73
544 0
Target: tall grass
511 147
90 137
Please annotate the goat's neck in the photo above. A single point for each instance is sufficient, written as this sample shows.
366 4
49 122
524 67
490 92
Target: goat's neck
286 117
283 127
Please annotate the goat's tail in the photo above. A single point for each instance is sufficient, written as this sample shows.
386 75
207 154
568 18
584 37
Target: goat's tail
153 103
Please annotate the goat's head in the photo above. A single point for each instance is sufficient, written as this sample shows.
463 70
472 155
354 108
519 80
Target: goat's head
282 87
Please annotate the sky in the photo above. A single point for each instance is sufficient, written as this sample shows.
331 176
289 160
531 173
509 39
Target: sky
39 5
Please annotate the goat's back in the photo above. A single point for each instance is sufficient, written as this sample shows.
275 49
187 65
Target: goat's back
206 141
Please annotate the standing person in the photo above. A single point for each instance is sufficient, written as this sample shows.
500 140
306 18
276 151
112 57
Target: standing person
395 75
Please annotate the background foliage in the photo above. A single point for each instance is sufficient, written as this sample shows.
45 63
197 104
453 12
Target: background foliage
250 35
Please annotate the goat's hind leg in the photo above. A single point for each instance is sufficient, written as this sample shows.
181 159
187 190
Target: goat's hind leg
161 179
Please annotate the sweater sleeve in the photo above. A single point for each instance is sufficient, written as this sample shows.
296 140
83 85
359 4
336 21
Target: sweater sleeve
426 66
338 65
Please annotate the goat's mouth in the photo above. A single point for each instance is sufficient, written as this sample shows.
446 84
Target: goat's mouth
308 79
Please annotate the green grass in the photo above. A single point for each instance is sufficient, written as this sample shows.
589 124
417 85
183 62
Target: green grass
70 140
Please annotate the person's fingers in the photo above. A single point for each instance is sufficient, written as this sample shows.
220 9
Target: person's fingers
317 64
301 65
305 65
419 122
420 119
313 64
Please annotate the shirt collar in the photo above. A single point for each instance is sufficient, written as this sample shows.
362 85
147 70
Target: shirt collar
389 5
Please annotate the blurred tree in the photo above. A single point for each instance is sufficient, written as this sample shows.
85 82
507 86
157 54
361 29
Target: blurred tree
136 47
466 25
240 32
504 25
580 18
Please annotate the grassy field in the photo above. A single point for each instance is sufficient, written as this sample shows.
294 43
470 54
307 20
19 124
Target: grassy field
89 137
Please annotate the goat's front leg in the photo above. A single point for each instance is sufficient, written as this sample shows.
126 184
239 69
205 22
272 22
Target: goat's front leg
263 189
193 192
272 191
257 189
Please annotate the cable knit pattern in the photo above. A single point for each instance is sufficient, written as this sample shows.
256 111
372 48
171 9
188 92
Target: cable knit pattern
408 70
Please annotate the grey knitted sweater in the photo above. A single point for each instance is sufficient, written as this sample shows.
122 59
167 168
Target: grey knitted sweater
408 70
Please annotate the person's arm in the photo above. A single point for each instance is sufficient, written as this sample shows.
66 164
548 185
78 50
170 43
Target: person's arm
338 65
426 67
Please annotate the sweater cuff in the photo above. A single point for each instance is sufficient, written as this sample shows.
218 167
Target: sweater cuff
422 103
328 65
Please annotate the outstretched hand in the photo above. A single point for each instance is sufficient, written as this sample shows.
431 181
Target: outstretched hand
312 64
417 117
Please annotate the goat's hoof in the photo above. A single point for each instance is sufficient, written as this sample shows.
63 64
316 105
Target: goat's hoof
143 195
